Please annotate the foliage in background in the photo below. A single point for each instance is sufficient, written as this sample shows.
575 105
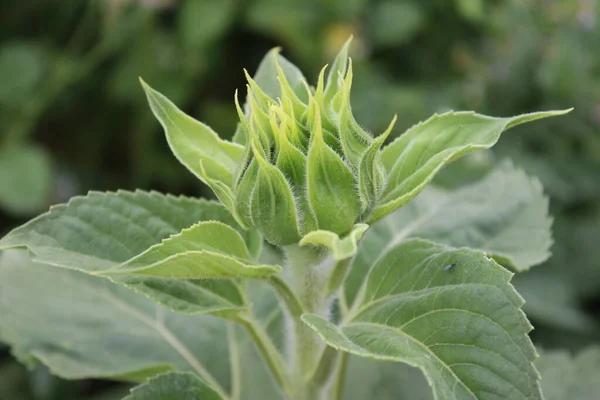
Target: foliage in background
72 118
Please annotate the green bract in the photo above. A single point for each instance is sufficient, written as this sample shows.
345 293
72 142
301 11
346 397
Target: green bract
300 162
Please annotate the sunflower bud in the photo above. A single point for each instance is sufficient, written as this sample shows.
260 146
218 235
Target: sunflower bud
304 157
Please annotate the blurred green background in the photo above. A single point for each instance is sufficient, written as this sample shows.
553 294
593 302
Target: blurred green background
73 116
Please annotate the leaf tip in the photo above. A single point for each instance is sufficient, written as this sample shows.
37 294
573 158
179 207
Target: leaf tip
145 86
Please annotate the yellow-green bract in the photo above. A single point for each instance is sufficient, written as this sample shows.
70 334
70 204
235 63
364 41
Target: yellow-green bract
300 162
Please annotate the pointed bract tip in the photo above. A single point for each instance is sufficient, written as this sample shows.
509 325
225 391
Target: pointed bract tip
349 72
321 83
145 86
387 132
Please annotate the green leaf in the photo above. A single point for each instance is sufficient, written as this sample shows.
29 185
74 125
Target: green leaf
180 386
504 215
194 144
82 326
462 326
103 231
341 248
74 323
25 179
413 159
206 250
570 377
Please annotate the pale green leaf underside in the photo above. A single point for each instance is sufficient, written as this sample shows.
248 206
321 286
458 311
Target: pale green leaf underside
570 377
180 386
341 248
101 231
206 250
82 326
198 265
505 215
463 326
413 159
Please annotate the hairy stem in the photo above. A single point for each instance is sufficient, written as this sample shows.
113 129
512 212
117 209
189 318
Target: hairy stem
310 269
287 296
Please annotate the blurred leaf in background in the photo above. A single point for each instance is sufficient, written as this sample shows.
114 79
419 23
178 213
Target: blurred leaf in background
25 179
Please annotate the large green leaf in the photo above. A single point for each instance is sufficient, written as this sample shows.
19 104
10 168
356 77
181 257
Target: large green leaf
570 377
180 386
413 159
461 325
101 232
82 326
504 215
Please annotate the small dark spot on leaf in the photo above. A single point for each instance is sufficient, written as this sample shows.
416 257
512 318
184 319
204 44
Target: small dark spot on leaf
447 267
